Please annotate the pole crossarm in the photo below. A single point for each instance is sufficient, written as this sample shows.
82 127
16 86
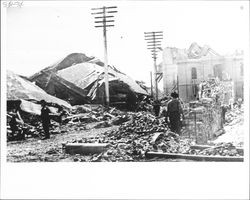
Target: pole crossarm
105 26
104 20
101 17
154 38
153 35
114 11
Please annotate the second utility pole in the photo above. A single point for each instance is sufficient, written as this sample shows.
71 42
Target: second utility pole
103 16
154 43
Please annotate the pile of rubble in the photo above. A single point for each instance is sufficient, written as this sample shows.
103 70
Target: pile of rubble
75 119
145 133
220 91
134 138
234 116
97 113
32 131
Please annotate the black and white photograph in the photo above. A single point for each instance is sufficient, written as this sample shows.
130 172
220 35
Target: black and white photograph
145 91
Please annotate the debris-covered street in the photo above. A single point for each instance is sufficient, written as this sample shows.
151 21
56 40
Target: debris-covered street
34 149
124 99
135 126
130 138
82 108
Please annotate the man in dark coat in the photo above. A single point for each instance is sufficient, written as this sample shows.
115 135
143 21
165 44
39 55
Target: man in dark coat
174 112
45 117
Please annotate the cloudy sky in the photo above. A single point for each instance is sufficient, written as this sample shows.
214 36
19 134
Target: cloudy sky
40 33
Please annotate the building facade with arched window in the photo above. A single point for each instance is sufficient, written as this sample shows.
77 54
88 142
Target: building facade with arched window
183 70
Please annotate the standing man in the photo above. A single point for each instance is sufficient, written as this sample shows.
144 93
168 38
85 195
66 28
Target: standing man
45 117
174 112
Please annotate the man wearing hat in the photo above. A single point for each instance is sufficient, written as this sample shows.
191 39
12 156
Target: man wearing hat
174 112
45 119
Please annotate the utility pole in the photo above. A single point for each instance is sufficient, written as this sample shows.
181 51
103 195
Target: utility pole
102 15
154 45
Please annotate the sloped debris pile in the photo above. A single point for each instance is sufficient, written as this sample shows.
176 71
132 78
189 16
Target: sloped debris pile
76 119
32 131
220 91
234 116
171 143
221 149
133 139
127 144
233 127
97 113
133 147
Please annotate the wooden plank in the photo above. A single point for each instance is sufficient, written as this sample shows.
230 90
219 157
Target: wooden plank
85 148
195 157
200 147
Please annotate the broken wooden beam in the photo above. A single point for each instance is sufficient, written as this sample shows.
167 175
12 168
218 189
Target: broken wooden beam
200 147
195 157
85 148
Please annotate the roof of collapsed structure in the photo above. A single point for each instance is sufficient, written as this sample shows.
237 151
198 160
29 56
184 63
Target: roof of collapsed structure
19 88
193 52
82 75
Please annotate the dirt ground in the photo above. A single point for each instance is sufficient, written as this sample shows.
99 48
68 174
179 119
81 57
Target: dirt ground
50 150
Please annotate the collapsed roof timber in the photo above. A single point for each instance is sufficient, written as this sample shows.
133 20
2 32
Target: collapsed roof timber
79 79
21 92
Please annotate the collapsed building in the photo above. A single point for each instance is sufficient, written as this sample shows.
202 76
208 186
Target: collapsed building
23 98
27 95
79 79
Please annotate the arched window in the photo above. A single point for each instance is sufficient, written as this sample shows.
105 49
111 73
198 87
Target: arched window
194 73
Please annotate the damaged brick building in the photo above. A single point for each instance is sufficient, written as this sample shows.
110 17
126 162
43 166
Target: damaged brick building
185 69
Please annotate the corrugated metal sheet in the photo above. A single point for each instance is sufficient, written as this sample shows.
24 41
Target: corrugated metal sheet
84 74
33 108
19 88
